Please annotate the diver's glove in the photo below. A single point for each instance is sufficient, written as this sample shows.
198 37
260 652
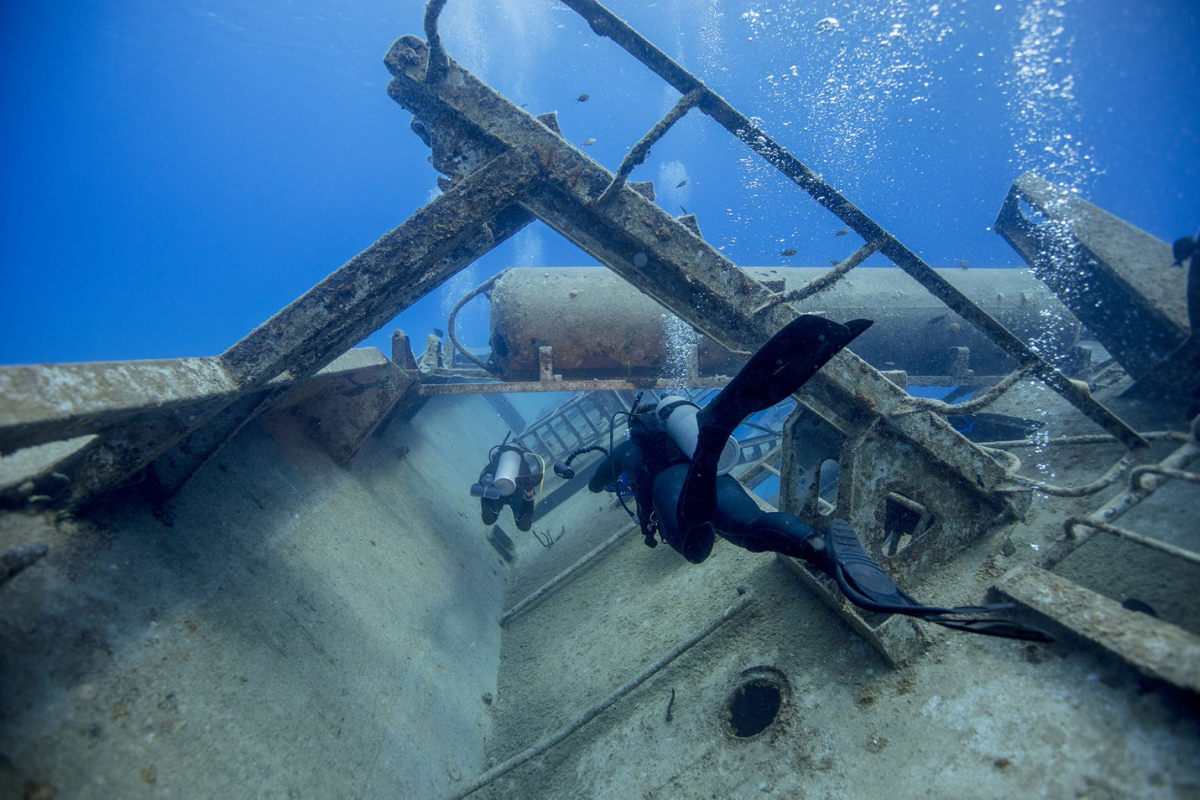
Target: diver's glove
865 584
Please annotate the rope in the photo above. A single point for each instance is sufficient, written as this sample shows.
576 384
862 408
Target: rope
914 404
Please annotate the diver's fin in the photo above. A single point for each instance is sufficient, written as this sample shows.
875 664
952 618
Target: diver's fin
1002 628
866 585
861 579
781 366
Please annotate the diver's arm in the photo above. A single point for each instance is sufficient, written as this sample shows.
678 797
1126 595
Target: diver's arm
613 465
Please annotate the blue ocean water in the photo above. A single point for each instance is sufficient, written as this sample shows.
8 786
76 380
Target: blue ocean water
176 172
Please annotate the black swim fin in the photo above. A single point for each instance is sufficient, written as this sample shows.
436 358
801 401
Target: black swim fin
1000 628
781 366
865 584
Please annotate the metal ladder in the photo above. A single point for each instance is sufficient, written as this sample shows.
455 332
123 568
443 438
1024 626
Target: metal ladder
579 422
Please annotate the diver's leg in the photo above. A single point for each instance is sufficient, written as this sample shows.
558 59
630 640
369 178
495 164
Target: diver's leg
489 509
780 367
740 520
522 509
667 485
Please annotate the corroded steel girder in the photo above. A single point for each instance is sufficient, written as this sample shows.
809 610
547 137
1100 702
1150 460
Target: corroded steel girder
659 255
1157 648
56 402
608 25
1115 278
405 264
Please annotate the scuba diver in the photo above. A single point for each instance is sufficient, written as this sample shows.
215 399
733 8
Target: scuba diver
674 464
509 479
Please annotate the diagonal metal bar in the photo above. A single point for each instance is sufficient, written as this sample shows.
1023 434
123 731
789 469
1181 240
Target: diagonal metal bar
658 255
440 239
642 149
1158 648
608 25
630 234
1145 541
374 286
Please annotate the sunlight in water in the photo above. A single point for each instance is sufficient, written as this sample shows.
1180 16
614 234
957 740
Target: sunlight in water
1042 100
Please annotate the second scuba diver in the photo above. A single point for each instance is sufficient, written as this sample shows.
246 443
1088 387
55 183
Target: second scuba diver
509 479
682 498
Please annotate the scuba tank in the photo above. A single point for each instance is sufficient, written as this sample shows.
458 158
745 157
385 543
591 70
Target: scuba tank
502 475
508 467
679 418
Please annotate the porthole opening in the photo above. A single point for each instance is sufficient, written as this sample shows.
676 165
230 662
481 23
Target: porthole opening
753 707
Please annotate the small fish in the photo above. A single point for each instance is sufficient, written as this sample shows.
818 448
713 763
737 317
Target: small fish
438 332
834 261
588 142
842 232
583 98
939 318
1133 604
964 264
681 184
359 388
684 210
791 251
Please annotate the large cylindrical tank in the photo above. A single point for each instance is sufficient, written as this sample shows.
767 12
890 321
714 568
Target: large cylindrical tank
601 327
598 325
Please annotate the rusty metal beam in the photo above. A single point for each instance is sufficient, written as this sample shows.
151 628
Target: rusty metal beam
383 280
52 402
608 25
664 259
1157 648
404 265
100 391
630 234
1073 523
1141 485
350 398
434 389
1115 278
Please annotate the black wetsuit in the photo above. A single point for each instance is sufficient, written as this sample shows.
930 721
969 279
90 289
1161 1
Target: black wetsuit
689 504
520 501
658 470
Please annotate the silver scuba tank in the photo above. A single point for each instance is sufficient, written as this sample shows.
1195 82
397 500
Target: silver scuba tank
508 467
678 415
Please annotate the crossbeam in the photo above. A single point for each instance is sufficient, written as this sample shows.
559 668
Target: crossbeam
608 25
407 263
653 251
